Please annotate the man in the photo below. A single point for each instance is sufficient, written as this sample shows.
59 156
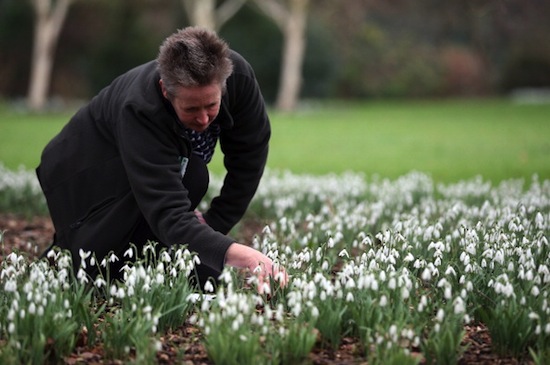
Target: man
130 166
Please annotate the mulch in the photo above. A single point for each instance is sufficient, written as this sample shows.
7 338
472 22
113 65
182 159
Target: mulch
183 345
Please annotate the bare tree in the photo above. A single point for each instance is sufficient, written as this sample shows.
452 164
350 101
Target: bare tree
291 18
206 14
49 18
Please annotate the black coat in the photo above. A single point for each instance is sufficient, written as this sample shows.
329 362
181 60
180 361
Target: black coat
118 160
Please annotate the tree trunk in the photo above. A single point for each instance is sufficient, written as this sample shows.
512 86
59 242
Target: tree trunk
292 21
201 12
293 55
205 14
48 23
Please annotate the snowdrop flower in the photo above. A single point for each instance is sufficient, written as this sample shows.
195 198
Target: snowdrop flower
447 293
314 311
159 278
409 257
426 274
343 253
52 254
83 256
129 253
32 308
208 287
440 316
450 271
82 276
459 306
10 286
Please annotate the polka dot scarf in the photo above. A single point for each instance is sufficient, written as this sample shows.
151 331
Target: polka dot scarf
204 143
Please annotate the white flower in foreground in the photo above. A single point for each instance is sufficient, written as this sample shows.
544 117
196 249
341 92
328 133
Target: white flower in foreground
440 315
208 287
83 256
459 306
129 253
344 253
426 274
10 286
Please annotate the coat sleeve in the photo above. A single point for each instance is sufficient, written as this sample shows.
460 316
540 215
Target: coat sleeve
245 148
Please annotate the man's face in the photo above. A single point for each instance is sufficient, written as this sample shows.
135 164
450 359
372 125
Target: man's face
197 106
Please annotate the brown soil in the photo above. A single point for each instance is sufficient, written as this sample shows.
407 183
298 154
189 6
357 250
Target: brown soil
183 346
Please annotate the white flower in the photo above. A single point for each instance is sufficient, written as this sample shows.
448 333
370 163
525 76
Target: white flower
129 253
426 274
459 306
159 279
99 282
343 253
81 275
10 286
208 287
440 315
84 254
314 311
409 257
447 292
158 345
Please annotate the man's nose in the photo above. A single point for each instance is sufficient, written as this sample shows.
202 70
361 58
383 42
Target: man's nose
203 117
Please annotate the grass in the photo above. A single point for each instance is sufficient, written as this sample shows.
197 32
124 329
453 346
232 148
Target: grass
450 140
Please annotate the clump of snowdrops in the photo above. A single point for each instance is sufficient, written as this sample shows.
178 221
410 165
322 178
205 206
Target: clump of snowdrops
401 266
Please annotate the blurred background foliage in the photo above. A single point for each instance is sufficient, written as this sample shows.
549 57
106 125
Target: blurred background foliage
355 49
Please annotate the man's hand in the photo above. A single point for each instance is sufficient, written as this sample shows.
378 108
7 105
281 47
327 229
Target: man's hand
245 257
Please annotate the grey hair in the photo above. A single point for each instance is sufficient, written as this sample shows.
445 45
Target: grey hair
193 56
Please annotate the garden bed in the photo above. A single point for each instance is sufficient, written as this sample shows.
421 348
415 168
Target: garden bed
182 345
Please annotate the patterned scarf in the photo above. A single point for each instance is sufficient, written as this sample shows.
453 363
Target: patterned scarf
204 143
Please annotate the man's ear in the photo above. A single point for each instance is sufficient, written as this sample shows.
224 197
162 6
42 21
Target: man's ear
163 89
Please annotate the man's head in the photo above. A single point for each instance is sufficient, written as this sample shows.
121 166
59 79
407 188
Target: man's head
194 65
193 56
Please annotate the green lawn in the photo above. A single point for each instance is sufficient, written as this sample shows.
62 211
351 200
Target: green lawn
450 140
